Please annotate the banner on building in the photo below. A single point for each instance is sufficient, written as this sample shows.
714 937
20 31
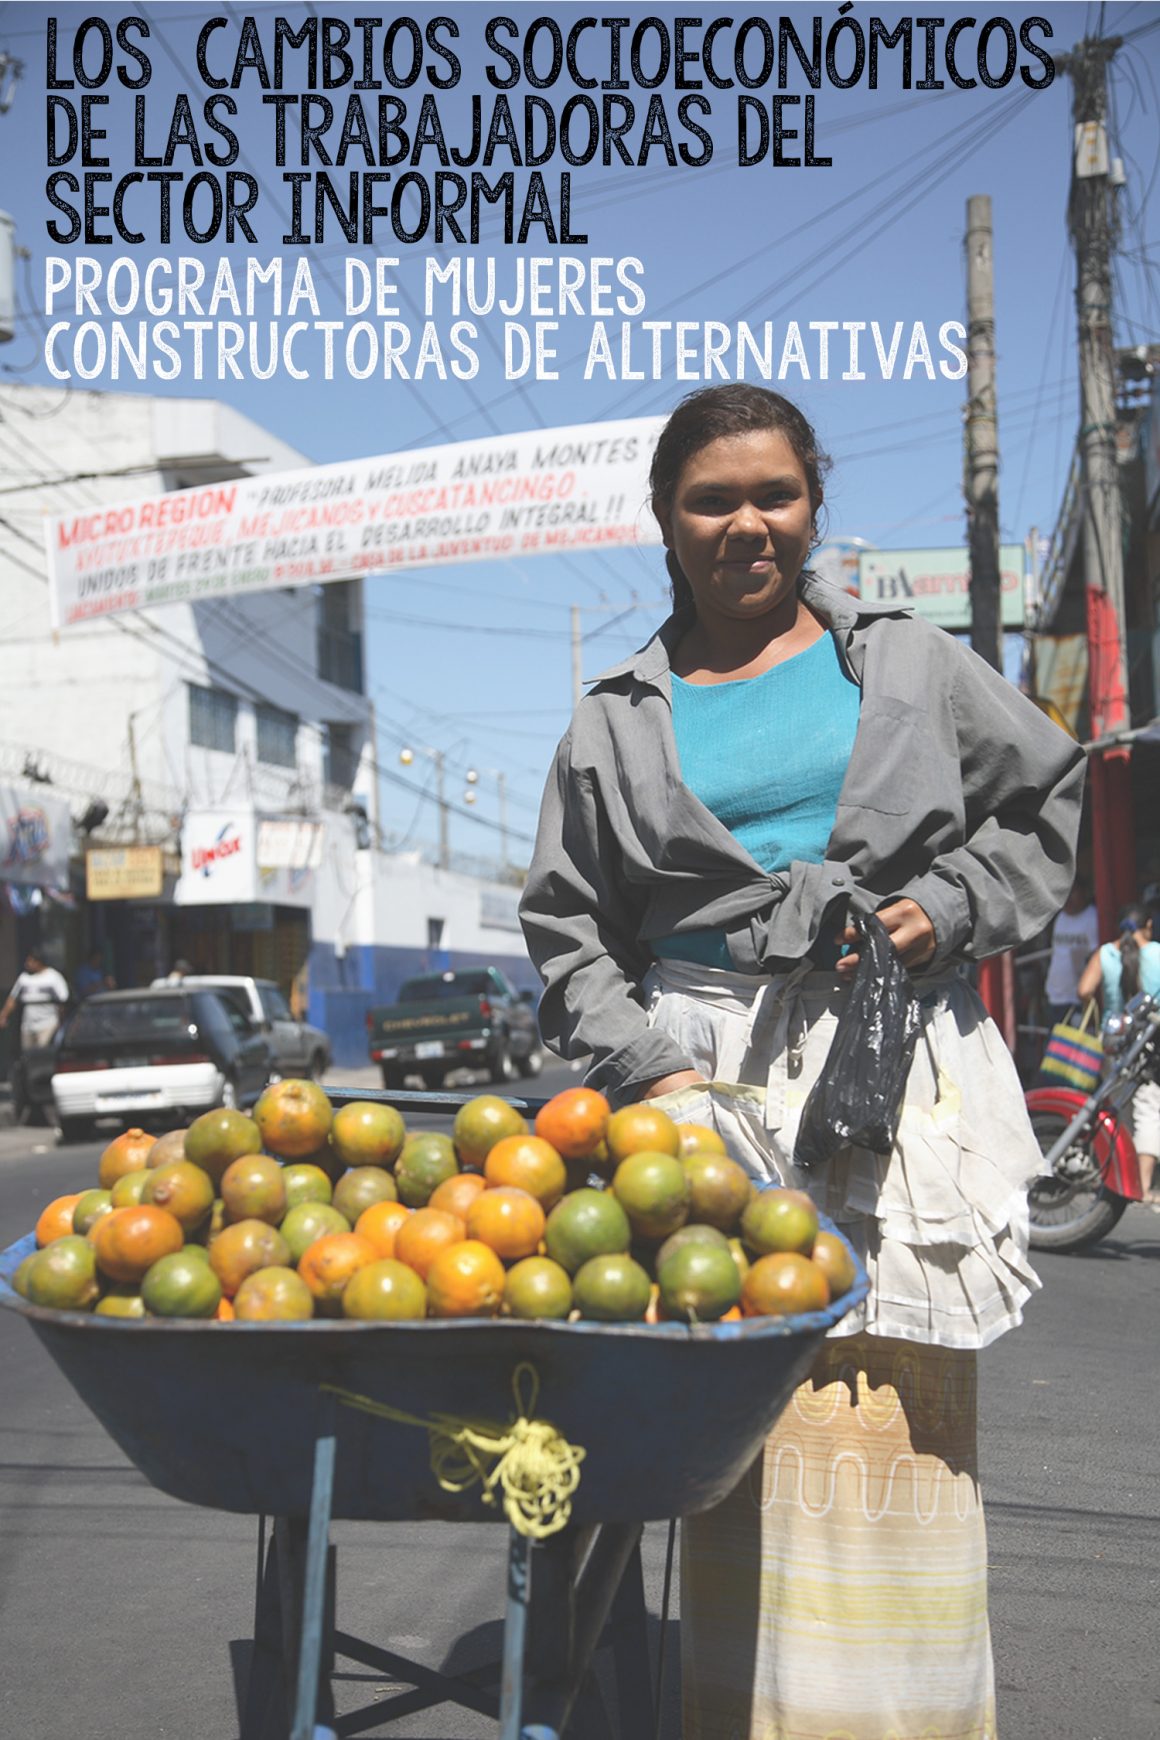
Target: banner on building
936 583
220 864
35 839
124 872
543 493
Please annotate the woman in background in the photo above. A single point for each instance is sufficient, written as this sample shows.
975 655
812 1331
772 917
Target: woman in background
1115 973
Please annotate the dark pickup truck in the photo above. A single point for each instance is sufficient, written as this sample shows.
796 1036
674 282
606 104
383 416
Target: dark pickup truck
446 1021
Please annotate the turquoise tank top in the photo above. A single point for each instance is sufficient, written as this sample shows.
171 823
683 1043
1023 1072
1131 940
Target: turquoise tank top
767 755
1111 969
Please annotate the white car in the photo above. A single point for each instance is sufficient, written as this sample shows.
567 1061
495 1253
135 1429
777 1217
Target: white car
298 1048
166 1052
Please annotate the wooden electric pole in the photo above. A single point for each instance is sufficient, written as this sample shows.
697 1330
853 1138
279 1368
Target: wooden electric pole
1091 218
981 477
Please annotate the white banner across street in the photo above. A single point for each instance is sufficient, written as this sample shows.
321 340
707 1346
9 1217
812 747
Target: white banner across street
542 493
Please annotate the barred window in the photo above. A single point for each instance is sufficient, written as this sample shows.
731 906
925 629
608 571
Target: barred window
213 719
277 736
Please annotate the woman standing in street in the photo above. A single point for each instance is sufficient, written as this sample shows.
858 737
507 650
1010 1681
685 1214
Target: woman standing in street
1116 972
778 758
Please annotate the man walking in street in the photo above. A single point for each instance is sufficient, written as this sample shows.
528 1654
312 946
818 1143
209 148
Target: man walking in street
42 993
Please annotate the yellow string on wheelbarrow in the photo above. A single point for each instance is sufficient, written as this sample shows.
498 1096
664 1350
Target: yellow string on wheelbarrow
529 1462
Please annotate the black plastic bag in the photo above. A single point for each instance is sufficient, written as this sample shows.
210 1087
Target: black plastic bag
857 1099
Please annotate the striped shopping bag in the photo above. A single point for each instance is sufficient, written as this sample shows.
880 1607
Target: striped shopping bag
1074 1051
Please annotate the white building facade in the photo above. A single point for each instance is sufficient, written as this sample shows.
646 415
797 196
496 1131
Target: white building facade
234 736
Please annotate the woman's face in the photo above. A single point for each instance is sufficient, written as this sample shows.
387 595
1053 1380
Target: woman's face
740 524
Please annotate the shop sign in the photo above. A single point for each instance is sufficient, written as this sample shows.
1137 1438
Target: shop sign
221 859
123 872
935 584
35 839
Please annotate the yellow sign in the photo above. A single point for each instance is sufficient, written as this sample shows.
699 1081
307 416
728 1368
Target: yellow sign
123 872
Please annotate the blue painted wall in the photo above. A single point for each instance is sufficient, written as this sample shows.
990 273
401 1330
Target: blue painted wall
343 989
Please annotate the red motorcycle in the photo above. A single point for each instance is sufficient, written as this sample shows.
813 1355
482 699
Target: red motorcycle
1091 1171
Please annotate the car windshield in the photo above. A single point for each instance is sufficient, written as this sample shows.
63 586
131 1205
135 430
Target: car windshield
451 985
274 1003
130 1018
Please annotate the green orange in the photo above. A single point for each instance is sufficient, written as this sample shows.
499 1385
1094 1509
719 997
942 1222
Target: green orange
183 1188
180 1286
538 1288
273 1295
307 1222
63 1275
217 1138
480 1124
780 1220
719 1189
357 1189
385 1291
366 1133
588 1223
612 1289
423 1165
653 1190
699 1282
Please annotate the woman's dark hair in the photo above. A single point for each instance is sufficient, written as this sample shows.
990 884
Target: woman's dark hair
712 414
1132 919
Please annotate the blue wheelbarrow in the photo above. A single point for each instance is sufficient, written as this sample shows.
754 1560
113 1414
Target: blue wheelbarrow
282 1421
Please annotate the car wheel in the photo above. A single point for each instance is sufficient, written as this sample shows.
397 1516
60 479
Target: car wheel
532 1064
392 1078
432 1078
75 1129
316 1068
502 1066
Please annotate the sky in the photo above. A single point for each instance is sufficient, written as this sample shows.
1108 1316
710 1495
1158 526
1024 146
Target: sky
475 660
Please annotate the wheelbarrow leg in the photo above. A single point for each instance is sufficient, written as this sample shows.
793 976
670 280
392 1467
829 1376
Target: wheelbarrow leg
628 1625
569 1610
305 1725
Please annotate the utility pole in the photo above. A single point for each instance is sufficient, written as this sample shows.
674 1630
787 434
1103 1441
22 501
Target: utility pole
577 658
135 774
1091 218
981 478
441 800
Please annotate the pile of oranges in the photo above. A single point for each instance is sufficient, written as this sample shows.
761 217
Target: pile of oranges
300 1211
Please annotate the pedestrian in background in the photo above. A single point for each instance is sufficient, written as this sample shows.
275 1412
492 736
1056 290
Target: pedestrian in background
1074 936
91 977
1115 973
779 756
42 994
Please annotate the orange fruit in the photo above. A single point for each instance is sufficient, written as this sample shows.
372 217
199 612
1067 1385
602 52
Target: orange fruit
385 1292
122 1300
424 1235
129 1241
181 1286
273 1295
169 1147
90 1206
780 1220
719 1189
129 1189
361 1186
304 1182
328 1264
456 1195
252 1189
653 1191
574 1122
426 1161
379 1223
294 1118
642 1129
612 1289
693 1233
528 1163
699 1282
219 1137
538 1287
128 1153
467 1280
783 1284
480 1124
833 1258
62 1275
365 1133
225 1312
56 1221
181 1187
587 1223
241 1249
510 1222
699 1139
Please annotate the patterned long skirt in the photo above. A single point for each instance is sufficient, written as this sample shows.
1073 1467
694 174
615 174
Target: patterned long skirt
840 1592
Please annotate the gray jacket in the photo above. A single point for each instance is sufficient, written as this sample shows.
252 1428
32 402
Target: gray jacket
959 794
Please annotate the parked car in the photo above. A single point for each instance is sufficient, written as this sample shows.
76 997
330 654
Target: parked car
175 1052
446 1021
299 1049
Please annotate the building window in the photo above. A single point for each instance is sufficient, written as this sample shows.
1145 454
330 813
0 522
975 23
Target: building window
277 736
341 756
435 927
213 719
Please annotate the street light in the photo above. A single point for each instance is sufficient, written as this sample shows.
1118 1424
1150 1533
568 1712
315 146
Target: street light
470 797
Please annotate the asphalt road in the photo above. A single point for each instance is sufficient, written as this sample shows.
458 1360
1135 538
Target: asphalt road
124 1613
